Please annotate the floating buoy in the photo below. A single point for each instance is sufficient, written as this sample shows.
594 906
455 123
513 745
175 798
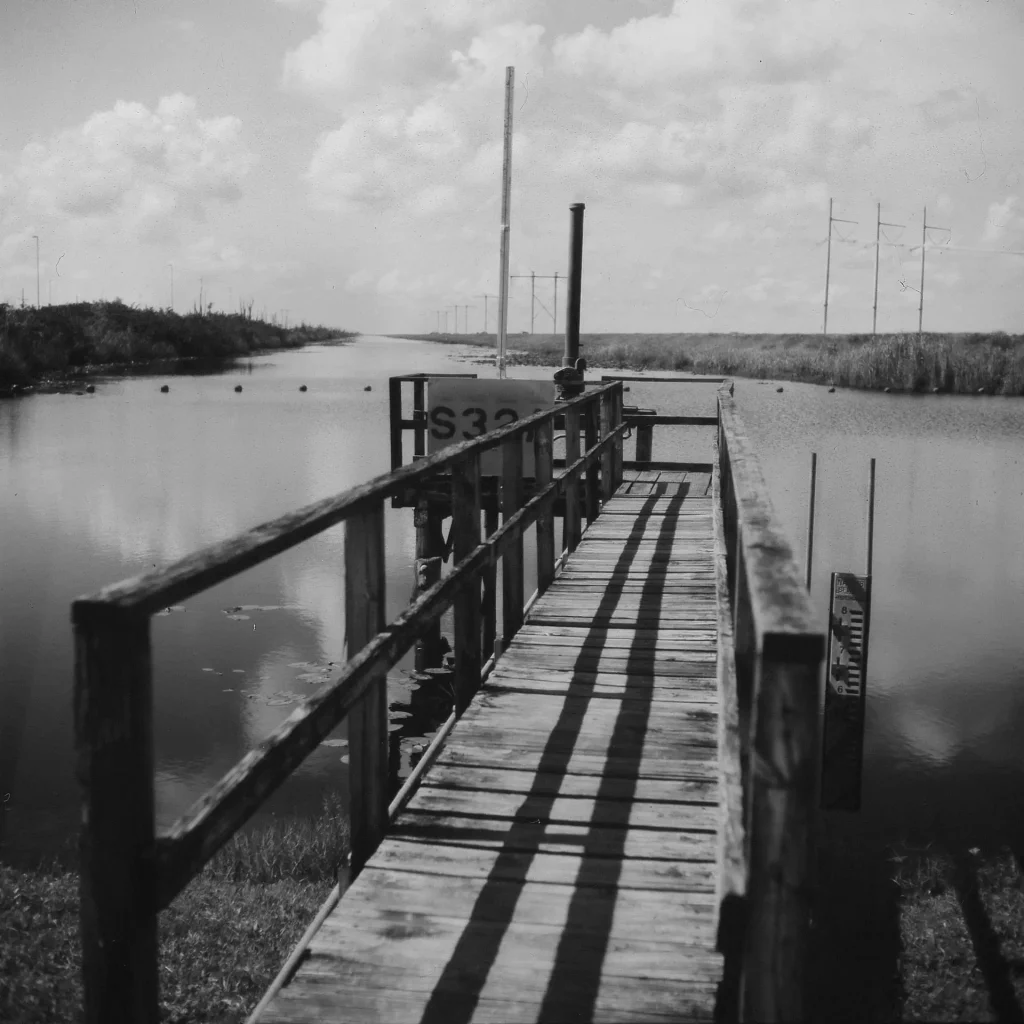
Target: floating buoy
367 388
302 387
778 389
90 389
936 391
981 391
887 390
165 389
831 390
238 387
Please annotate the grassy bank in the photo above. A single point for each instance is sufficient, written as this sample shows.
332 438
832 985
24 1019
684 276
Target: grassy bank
954 363
222 940
36 344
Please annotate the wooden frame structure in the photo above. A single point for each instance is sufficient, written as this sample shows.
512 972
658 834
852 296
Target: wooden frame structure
129 872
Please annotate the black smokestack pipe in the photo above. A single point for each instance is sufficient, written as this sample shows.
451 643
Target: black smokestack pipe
572 316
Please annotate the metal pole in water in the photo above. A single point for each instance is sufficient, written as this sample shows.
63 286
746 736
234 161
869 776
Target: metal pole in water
506 197
810 519
572 312
871 517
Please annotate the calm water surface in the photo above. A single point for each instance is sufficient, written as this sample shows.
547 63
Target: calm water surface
99 487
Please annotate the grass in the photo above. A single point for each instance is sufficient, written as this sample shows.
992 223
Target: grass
954 363
53 341
222 940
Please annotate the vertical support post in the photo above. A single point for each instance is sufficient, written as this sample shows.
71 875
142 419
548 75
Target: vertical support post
490 586
828 266
878 249
466 530
429 552
543 445
924 242
592 480
871 518
554 308
113 711
572 308
395 420
506 207
644 441
616 448
810 522
419 416
571 521
512 560
782 780
607 455
368 720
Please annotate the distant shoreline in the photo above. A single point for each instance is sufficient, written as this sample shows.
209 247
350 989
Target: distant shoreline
43 349
979 363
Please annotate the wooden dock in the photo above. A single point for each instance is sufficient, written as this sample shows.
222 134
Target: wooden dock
616 822
557 862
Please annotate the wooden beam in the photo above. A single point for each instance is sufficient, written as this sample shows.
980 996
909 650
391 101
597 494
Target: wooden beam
592 481
490 586
368 719
607 457
113 710
543 444
466 531
571 520
512 560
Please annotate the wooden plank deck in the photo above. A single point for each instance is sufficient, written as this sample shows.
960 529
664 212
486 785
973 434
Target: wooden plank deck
558 862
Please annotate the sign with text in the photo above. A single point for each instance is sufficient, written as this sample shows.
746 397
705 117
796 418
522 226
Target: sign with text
845 691
460 409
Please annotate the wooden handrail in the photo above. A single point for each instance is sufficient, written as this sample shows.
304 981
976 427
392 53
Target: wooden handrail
128 872
769 674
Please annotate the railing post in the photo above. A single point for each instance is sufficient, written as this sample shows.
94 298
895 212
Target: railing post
368 720
543 445
644 441
466 526
512 561
419 417
429 552
592 479
113 712
571 522
490 587
607 455
782 781
618 443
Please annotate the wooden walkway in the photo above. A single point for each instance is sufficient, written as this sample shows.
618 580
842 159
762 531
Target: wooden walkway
558 861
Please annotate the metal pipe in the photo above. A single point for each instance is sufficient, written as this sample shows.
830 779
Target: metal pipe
871 517
810 519
572 312
506 201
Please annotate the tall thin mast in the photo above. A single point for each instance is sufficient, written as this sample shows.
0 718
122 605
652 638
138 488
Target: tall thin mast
506 202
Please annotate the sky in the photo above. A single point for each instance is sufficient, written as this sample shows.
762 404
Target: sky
339 161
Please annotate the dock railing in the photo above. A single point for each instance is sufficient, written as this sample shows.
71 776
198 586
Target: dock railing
129 872
769 666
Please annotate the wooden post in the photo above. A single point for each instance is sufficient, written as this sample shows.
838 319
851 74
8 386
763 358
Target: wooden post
491 642
419 416
429 551
368 720
644 441
617 448
466 527
543 443
592 480
571 522
782 782
512 561
395 420
608 455
113 711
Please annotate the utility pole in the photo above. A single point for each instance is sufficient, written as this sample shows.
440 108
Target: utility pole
456 331
485 297
878 241
438 321
543 277
554 307
506 216
828 259
171 265
533 292
36 237
924 238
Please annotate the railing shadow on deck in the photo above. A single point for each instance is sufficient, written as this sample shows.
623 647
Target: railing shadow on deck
129 872
769 668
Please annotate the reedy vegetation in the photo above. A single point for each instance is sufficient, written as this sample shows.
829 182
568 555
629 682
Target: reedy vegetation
957 363
56 340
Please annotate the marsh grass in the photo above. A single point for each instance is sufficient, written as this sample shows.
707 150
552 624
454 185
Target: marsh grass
222 940
954 363
61 340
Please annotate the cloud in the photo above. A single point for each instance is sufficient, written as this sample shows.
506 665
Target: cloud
1005 222
135 169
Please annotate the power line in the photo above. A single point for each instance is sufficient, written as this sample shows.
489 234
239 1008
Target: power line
543 277
485 297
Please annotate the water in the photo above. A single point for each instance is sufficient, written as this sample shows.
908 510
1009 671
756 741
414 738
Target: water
99 487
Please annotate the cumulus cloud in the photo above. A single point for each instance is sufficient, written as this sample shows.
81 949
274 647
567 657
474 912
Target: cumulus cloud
134 168
1005 221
